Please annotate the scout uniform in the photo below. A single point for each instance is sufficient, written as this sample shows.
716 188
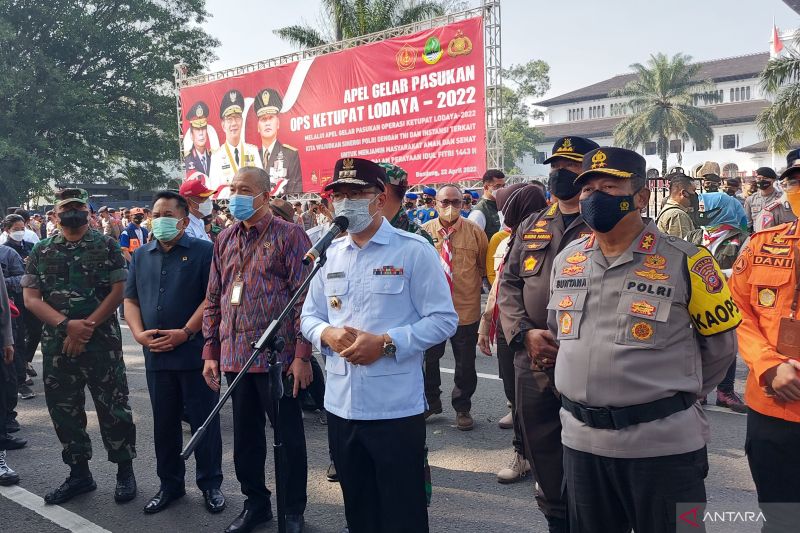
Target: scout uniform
195 161
280 160
402 220
74 278
227 159
522 297
660 321
764 282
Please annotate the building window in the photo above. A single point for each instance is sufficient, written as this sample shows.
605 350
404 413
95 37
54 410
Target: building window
700 147
731 98
748 93
675 146
731 170
649 148
740 94
729 142
539 157
575 114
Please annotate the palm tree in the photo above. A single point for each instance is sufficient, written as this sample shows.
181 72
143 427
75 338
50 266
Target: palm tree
780 121
661 100
346 19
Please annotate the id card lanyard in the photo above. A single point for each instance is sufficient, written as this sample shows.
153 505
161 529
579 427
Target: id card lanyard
237 289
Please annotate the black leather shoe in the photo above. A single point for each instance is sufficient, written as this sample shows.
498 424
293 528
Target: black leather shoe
12 426
249 519
331 474
12 443
69 489
126 488
161 501
215 500
295 523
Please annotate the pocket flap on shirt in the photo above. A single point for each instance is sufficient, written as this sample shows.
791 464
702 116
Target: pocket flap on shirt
644 307
336 365
769 277
386 366
387 284
567 301
336 287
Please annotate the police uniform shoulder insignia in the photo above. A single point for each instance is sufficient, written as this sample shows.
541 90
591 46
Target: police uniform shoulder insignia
772 206
641 331
646 243
711 305
292 148
577 258
566 323
589 242
566 302
767 297
651 275
573 270
658 262
552 210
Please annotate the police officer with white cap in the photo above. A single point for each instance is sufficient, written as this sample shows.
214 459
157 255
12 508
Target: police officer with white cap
379 302
645 323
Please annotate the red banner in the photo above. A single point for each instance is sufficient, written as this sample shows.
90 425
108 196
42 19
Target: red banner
417 101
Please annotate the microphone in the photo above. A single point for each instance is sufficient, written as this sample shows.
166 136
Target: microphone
339 225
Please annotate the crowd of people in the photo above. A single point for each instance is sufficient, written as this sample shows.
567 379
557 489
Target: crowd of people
610 331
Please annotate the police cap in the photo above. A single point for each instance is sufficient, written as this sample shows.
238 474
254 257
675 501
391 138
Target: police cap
572 148
232 103
357 172
267 102
614 162
198 115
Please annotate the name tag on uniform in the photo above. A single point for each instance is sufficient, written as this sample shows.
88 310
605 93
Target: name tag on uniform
335 275
236 292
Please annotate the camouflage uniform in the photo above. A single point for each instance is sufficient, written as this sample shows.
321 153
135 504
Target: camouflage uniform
74 278
399 178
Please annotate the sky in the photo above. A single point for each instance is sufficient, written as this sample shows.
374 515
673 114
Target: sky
583 41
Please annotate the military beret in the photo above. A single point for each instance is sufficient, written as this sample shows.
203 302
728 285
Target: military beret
68 196
395 175
198 115
232 103
475 195
714 178
411 196
767 173
610 161
267 102
572 148
430 191
358 172
792 162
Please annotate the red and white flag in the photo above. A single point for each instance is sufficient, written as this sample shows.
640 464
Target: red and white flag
776 46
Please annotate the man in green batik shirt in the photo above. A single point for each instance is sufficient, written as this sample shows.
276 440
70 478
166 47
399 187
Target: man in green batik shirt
74 282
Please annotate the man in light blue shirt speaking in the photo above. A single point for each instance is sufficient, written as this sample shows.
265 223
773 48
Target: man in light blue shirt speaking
379 302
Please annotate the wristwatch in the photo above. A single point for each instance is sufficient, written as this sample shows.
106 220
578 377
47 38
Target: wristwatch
190 334
62 326
389 348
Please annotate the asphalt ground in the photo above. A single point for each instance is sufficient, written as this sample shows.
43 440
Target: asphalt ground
466 495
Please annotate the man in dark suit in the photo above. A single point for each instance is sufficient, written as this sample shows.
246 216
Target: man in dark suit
280 160
199 158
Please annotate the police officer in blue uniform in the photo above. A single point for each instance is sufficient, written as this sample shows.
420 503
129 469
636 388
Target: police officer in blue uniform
378 303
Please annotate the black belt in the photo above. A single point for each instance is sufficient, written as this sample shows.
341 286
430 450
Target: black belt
622 417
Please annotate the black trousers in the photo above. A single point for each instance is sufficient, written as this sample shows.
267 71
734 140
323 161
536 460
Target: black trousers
381 471
505 368
251 407
611 495
538 409
172 391
772 445
33 335
8 387
464 344
726 385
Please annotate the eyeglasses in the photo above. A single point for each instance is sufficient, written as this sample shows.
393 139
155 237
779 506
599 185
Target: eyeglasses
447 203
353 195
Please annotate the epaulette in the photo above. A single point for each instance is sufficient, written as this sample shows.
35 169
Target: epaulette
292 148
773 205
684 246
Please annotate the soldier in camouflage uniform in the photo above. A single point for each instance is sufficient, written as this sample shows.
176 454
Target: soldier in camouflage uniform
74 282
396 189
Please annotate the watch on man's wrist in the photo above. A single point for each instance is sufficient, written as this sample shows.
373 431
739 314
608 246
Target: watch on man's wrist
389 347
189 333
62 326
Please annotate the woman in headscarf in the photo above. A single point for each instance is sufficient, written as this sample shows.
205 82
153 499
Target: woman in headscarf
516 203
723 232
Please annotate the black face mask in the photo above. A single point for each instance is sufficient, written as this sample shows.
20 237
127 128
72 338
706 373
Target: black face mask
74 218
602 211
730 192
562 184
763 184
138 219
711 187
706 218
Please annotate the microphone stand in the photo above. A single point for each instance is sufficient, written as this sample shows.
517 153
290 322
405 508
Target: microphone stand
269 340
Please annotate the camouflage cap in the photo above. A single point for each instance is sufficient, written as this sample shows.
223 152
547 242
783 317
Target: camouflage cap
395 175
68 196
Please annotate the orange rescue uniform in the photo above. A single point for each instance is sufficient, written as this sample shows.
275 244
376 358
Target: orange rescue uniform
762 285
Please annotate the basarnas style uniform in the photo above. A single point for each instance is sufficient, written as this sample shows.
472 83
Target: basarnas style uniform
227 159
660 321
394 285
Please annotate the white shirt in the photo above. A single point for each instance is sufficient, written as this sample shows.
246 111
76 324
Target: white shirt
394 284
223 169
478 218
30 236
197 228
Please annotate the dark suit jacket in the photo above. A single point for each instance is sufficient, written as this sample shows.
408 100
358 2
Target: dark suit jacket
291 162
194 163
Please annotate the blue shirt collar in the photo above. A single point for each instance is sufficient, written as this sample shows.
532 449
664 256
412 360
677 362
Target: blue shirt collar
382 236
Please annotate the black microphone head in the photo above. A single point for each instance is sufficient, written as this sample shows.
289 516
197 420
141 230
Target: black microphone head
342 222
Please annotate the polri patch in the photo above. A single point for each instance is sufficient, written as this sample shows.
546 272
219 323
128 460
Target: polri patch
705 268
651 275
573 270
641 331
658 262
577 258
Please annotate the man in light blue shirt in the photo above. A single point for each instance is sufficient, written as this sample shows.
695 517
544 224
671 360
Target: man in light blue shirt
380 301
198 196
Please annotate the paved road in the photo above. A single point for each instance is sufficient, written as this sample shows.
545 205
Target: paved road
466 496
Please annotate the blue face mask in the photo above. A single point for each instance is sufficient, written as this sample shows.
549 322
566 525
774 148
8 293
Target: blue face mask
241 206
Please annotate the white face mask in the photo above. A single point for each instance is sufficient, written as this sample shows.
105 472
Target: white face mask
206 207
356 212
17 235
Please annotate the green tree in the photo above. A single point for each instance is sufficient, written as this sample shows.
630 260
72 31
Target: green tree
88 90
524 82
661 100
780 121
346 19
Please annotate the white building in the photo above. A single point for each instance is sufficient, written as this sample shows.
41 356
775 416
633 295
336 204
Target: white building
737 146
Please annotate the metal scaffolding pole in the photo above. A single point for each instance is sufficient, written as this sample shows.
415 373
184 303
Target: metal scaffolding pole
494 83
